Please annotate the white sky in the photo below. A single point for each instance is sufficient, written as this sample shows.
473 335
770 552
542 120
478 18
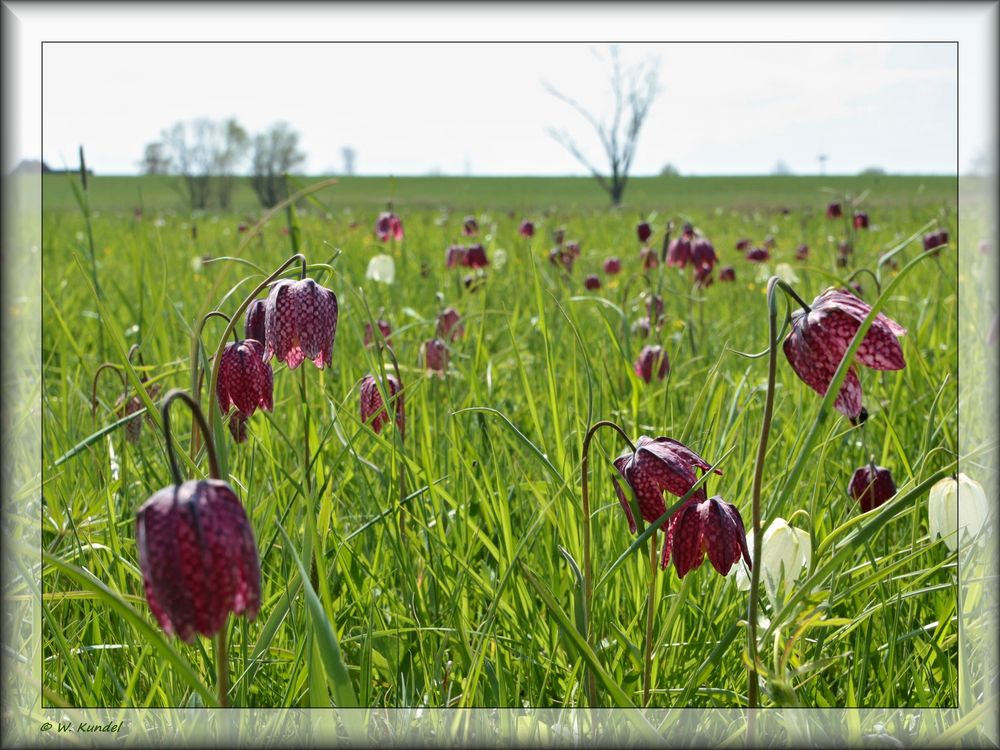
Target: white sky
413 108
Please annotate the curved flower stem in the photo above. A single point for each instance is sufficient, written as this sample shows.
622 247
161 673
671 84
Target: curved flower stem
878 285
787 290
196 348
647 665
588 582
196 372
195 368
758 474
93 391
213 461
221 664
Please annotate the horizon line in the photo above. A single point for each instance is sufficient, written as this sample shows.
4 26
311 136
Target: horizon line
434 175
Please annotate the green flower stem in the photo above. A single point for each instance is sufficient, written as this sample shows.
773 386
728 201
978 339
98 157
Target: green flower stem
647 665
588 583
222 664
199 418
758 474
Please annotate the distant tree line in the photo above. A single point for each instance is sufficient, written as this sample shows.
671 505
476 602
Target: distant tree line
209 155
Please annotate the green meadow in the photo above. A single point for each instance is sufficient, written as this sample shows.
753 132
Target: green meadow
446 566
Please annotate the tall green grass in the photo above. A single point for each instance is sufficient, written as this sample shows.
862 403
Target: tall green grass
461 591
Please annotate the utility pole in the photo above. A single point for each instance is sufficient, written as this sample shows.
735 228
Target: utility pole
822 164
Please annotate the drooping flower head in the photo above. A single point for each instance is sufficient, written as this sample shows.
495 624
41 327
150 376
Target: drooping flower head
455 256
435 355
449 325
703 254
573 248
952 502
253 324
125 406
475 257
802 252
246 382
559 257
385 331
656 466
861 220
703 276
300 322
818 340
784 555
641 328
659 465
743 244
559 235
727 273
373 408
592 282
654 308
648 257
527 229
679 251
470 227
834 211
871 486
652 360
934 241
712 528
198 558
644 232
381 268
612 266
757 254
388 226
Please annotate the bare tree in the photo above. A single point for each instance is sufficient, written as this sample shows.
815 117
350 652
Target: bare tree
155 159
275 152
350 155
231 144
633 89
206 154
191 158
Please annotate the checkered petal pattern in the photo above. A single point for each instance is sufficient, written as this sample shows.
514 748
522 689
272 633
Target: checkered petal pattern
372 407
198 558
819 339
300 323
710 527
652 359
871 486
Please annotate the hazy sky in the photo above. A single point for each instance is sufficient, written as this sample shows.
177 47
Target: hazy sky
482 108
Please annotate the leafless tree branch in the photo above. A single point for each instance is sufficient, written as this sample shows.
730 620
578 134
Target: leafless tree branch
633 89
